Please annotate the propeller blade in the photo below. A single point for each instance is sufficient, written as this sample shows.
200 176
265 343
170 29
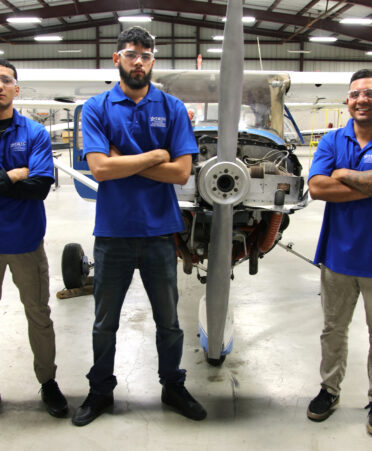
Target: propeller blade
218 278
219 255
231 82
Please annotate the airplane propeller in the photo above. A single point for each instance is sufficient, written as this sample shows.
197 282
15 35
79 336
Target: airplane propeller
225 179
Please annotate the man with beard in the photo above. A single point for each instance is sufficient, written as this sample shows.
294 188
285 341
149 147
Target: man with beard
138 142
341 174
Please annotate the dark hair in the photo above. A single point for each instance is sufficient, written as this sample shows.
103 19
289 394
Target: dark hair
6 63
362 73
137 35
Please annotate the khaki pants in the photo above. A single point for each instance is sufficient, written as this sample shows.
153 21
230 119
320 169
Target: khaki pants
339 294
31 277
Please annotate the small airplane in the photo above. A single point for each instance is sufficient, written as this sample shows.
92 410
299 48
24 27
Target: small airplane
244 184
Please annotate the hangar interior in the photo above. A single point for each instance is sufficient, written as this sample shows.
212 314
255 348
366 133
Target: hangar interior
257 398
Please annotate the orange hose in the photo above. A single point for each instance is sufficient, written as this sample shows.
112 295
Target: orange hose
268 240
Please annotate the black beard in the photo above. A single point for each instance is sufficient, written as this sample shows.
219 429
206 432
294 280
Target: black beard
137 82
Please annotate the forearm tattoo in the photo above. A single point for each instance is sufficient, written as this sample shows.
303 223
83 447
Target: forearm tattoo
360 180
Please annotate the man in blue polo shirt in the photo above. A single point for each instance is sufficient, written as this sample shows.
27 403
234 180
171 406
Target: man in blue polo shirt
341 174
26 173
138 142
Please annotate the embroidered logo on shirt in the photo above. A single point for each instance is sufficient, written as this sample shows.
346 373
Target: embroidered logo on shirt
367 158
19 146
158 121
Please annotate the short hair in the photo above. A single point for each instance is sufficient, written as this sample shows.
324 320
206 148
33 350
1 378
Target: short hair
137 35
6 63
362 73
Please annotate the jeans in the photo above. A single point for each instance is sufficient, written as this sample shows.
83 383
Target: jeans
115 262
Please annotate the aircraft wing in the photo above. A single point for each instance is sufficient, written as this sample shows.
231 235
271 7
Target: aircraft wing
68 87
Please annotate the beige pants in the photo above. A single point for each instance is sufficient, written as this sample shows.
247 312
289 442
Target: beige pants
31 276
339 295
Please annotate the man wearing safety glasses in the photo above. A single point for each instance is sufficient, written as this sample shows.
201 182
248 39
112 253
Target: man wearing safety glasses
138 142
341 175
26 173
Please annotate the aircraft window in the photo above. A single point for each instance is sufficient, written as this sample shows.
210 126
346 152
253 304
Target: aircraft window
252 116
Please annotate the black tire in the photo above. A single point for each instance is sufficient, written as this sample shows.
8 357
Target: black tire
72 266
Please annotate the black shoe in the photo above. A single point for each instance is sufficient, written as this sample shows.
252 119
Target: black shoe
177 396
53 398
322 406
92 408
369 423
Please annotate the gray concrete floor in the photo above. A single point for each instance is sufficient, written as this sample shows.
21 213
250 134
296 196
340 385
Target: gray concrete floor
257 400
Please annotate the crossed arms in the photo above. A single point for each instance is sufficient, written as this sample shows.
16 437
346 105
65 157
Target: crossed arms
17 184
154 164
344 185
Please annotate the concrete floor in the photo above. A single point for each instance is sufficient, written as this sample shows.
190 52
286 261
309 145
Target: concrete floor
257 400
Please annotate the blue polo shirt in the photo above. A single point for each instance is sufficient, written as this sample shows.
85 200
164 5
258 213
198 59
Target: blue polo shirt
345 242
136 206
22 222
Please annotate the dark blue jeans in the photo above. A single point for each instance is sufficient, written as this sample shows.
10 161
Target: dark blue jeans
115 260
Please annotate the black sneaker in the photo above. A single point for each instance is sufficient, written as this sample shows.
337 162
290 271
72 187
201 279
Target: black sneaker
53 398
92 407
322 406
369 424
177 396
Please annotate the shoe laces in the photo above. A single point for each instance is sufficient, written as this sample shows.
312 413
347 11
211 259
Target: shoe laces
51 390
89 400
182 391
324 394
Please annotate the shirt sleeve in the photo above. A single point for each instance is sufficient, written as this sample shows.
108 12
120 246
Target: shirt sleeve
182 141
35 188
40 160
324 158
94 136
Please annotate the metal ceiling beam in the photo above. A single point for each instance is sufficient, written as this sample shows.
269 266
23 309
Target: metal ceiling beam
13 36
181 6
191 6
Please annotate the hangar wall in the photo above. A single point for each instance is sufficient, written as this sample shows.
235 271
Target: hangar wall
96 46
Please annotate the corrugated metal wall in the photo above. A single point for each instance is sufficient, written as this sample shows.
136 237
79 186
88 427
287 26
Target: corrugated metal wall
181 55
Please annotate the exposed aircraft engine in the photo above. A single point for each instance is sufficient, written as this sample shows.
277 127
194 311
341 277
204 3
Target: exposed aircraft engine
264 184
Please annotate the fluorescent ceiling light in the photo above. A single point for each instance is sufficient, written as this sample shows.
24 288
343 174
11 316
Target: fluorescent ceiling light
47 38
214 50
23 20
218 37
249 19
135 19
1 52
323 39
356 21
70 51
299 51
246 19
369 53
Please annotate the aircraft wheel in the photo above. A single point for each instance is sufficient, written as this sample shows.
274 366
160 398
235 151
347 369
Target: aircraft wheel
75 267
215 362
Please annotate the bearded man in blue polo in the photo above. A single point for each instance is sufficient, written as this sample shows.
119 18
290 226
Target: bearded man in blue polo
138 142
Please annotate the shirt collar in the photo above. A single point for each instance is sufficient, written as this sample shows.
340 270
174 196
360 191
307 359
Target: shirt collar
117 95
349 129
